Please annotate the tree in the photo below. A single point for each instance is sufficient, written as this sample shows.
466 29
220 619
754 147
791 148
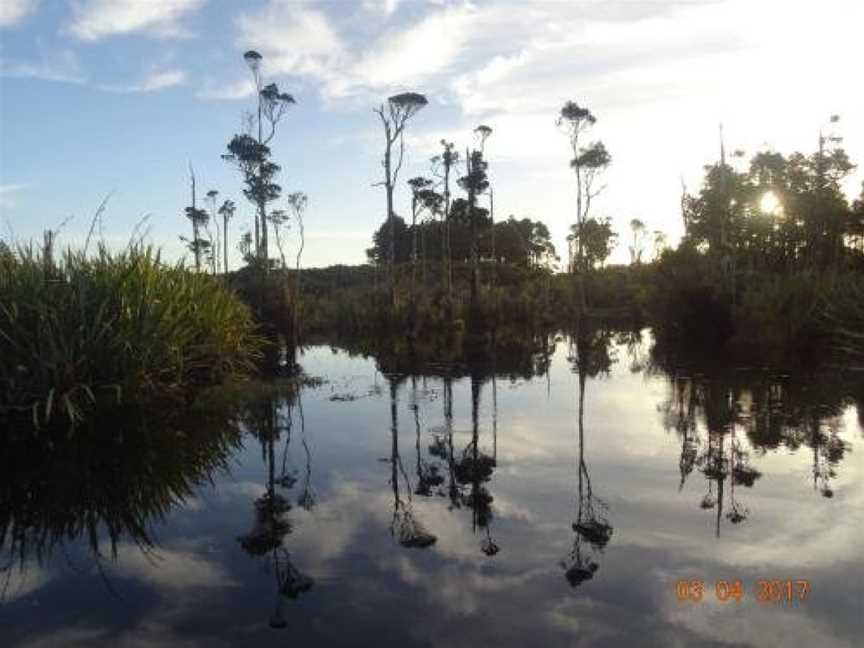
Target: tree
587 163
251 155
214 246
245 246
597 241
423 197
400 108
637 227
279 218
298 201
659 243
475 182
198 217
447 160
226 211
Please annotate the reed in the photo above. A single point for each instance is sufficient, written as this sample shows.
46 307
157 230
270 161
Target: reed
120 325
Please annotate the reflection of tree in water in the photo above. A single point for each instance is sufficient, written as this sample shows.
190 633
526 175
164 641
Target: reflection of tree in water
462 474
405 527
470 469
719 457
430 481
473 471
771 411
589 354
268 419
632 340
107 480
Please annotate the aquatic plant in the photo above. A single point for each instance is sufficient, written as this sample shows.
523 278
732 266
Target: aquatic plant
122 325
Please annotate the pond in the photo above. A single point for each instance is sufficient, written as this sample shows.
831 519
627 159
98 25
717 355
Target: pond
584 497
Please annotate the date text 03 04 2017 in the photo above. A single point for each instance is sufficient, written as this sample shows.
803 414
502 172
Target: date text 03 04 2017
763 591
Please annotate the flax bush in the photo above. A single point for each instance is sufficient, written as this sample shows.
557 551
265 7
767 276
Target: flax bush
113 325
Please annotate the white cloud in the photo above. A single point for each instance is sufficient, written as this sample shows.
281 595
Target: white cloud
294 39
95 19
14 11
60 65
170 568
153 82
408 56
386 7
236 90
300 41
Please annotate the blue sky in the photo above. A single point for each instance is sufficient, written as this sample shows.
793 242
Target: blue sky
118 96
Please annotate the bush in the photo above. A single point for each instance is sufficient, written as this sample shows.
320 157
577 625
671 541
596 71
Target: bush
120 324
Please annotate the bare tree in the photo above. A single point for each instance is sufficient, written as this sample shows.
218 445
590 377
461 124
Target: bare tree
298 202
400 108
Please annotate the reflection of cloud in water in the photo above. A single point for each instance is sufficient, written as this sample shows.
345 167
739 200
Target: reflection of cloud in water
763 625
23 582
170 568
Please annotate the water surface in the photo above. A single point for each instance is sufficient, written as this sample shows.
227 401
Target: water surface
456 507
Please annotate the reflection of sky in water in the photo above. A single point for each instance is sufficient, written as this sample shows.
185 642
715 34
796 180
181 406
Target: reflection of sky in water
198 587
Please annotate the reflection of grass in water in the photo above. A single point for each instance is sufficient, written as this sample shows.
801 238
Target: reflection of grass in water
114 477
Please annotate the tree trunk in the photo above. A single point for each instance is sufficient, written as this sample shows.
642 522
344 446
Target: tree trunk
225 243
475 256
388 186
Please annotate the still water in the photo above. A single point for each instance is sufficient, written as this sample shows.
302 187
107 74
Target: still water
557 503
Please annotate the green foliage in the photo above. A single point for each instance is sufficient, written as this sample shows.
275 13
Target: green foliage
595 238
123 325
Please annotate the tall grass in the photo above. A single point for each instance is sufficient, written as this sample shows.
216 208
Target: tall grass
120 325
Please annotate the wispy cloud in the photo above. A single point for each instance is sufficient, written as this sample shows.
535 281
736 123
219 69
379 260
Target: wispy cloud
7 191
230 91
302 41
13 12
96 19
297 39
153 82
58 65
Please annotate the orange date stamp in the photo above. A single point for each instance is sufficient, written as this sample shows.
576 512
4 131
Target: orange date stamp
763 591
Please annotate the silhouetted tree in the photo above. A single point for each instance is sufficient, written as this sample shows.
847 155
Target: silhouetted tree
227 212
400 108
298 201
637 228
198 217
214 245
251 155
587 163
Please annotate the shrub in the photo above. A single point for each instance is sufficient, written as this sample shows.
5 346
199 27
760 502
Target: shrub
122 324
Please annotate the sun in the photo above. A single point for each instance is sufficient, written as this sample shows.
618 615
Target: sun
770 204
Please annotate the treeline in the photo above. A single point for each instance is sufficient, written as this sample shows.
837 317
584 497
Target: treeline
521 242
771 265
771 258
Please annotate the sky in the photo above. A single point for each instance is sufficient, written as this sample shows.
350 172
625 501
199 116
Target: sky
117 97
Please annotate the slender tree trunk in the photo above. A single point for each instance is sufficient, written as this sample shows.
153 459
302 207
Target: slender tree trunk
388 186
414 250
296 327
446 258
225 243
472 217
195 241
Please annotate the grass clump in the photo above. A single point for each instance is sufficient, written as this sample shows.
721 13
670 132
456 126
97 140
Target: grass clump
121 325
